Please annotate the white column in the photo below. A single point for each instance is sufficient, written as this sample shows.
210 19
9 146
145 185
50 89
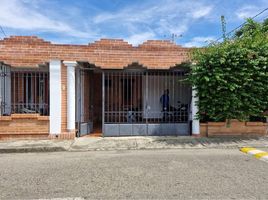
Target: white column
70 94
195 122
55 97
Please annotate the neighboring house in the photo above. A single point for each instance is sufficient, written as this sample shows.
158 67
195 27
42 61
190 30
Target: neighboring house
108 88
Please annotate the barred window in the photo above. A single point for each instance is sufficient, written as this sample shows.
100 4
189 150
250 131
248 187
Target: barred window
30 91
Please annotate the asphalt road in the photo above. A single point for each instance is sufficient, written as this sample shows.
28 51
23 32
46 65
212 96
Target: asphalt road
151 174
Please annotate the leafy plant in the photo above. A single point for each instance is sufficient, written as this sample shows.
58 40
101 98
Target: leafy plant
231 78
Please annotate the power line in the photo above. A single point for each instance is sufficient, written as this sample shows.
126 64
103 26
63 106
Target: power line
242 24
263 18
2 30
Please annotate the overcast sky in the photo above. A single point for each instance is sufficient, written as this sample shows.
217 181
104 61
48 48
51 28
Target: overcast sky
84 21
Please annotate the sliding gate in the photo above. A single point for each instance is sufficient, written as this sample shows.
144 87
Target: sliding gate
141 102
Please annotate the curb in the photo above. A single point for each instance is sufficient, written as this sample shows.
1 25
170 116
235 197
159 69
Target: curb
32 150
259 154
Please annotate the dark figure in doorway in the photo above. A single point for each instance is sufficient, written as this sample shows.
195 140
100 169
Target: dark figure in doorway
164 100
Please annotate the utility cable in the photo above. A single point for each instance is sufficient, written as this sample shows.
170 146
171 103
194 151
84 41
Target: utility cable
242 24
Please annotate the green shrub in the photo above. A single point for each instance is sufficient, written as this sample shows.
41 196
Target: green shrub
231 78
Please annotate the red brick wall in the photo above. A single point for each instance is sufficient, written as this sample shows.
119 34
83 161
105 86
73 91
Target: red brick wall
63 98
235 128
24 126
30 51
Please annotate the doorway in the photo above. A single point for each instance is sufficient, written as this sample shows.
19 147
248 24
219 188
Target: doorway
88 102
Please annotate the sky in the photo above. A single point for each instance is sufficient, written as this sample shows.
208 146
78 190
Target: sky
195 22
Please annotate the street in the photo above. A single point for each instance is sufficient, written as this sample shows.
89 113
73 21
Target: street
139 174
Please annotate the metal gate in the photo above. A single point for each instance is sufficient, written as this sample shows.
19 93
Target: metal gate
145 102
84 101
5 90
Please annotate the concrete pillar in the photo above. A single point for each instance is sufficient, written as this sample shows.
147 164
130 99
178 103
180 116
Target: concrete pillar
194 108
55 97
70 94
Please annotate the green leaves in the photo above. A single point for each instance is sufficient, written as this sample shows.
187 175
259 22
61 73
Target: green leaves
232 77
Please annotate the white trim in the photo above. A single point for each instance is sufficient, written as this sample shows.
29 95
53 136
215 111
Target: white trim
83 98
55 97
194 107
70 94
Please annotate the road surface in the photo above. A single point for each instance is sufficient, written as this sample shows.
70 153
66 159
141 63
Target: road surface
148 174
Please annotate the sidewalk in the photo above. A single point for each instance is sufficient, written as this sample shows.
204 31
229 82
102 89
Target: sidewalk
130 143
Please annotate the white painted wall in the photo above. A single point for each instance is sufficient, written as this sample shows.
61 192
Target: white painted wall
194 108
70 94
55 97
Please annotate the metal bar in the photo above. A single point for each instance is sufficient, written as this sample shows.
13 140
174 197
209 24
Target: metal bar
174 104
80 98
14 91
103 101
35 94
107 96
111 98
159 95
123 96
32 92
127 99
146 97
1 97
180 113
4 91
39 89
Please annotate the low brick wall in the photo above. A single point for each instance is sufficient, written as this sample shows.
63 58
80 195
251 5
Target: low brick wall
235 128
63 136
24 126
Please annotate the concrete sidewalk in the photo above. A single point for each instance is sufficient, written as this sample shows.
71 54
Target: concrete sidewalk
24 146
126 143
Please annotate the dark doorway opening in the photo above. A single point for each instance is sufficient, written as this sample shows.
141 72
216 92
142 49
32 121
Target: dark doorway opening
88 102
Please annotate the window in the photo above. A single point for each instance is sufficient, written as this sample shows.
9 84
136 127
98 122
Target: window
30 91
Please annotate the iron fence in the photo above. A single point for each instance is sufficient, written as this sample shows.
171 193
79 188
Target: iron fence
25 91
146 97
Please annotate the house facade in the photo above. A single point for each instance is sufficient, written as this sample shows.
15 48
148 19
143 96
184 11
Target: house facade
107 88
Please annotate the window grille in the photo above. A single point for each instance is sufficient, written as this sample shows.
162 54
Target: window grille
30 92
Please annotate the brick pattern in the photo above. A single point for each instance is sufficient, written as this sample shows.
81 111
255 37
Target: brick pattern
29 126
236 128
63 136
30 51
21 51
24 126
63 98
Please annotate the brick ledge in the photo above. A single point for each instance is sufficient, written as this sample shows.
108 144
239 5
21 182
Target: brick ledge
24 116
